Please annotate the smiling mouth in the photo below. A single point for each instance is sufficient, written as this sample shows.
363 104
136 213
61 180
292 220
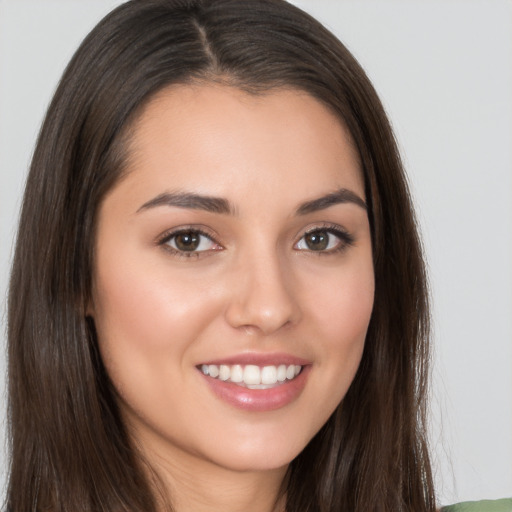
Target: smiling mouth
252 376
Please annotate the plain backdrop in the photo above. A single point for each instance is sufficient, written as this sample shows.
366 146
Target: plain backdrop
443 69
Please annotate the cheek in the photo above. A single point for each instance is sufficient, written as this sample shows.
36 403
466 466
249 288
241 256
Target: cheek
141 298
342 313
346 304
145 314
147 320
348 313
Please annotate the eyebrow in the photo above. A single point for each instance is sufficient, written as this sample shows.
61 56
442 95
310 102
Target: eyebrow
220 205
191 201
340 196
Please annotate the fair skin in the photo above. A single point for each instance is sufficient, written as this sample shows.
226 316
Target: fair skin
274 272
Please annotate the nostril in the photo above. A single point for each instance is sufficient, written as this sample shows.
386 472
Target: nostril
251 318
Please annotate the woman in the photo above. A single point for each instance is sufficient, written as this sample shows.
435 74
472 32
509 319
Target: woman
216 195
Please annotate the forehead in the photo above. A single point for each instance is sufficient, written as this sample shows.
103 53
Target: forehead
218 139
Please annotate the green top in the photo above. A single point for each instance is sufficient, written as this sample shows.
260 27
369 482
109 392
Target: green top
504 505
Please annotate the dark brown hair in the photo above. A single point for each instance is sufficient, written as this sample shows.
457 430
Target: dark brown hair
69 448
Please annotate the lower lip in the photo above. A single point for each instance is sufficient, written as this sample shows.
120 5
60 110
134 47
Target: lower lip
258 400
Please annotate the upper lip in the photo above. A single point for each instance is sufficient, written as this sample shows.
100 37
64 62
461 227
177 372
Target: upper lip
259 359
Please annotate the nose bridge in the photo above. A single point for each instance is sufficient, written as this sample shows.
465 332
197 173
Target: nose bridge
261 295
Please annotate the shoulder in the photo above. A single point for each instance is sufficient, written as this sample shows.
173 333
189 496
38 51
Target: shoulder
504 505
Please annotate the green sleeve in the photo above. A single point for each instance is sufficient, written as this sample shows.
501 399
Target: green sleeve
504 505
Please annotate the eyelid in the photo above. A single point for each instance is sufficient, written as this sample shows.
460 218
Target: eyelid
345 237
163 239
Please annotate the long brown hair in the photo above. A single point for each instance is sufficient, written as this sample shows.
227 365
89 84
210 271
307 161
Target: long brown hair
69 448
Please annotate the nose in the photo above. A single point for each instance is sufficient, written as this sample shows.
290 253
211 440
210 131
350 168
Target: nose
261 296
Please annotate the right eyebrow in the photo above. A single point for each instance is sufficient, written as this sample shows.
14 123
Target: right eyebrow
191 201
341 196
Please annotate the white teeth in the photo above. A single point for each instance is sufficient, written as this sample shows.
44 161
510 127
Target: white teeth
269 375
237 373
224 372
252 376
213 370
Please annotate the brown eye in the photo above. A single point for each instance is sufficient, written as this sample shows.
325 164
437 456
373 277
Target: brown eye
317 240
190 241
328 240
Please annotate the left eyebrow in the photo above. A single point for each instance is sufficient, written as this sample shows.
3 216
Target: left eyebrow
340 196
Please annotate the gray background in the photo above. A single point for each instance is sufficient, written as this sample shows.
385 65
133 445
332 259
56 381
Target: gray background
444 71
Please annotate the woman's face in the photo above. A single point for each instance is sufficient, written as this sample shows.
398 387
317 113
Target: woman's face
233 255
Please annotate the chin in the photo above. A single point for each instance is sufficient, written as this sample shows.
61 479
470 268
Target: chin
258 454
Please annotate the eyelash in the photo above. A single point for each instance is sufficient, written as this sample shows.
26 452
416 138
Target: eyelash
168 236
345 240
